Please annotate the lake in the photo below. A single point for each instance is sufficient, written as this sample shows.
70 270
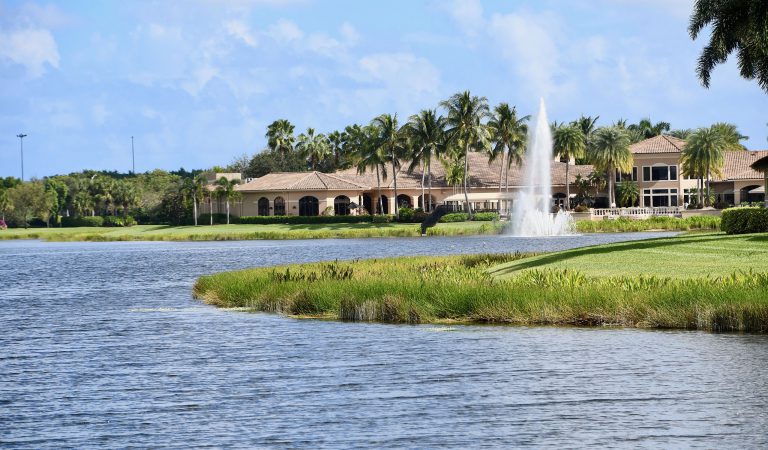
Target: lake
102 345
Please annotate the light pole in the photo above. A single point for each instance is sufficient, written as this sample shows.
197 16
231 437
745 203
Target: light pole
21 137
133 157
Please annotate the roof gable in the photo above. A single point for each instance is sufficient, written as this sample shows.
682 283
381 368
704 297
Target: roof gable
658 144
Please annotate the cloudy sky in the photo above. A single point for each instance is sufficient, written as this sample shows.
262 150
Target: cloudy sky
197 81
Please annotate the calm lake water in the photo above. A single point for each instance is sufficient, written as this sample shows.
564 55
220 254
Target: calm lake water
101 345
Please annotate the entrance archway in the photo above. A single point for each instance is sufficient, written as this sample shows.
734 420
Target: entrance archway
309 206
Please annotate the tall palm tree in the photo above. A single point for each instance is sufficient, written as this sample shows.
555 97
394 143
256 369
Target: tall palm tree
466 113
368 155
611 152
737 26
648 129
198 190
313 147
426 131
568 143
704 155
730 134
280 137
393 142
682 133
508 136
336 140
226 189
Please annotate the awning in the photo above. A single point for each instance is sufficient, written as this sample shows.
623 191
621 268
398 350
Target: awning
760 190
481 197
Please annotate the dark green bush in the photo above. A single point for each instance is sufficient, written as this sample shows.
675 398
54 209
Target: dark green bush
455 217
268 220
750 219
486 216
218 219
84 221
119 221
384 218
410 215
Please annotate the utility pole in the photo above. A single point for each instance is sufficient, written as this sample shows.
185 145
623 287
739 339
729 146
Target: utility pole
133 157
21 137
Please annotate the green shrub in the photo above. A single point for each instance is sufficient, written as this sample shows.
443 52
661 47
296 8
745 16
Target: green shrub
410 215
385 218
750 219
84 221
118 221
269 220
486 216
455 217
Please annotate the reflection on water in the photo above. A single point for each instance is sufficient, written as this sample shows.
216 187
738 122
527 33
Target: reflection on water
101 345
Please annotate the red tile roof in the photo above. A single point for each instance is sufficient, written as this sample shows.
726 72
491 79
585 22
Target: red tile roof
658 144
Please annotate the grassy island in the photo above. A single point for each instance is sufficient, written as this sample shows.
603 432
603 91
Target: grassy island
698 281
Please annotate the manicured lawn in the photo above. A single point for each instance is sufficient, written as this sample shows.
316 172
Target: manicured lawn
245 232
679 257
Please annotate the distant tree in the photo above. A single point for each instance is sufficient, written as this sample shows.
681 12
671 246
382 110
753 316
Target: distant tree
267 161
6 206
627 193
648 129
280 137
393 144
587 124
30 200
466 130
314 147
226 190
61 191
568 143
508 138
704 155
731 136
681 133
368 154
238 165
611 152
737 26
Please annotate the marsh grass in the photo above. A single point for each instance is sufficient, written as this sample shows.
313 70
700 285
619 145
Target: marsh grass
624 225
464 289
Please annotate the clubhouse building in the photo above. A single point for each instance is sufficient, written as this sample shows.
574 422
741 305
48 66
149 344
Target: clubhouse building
656 170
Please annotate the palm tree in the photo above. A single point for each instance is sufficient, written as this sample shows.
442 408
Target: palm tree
704 155
682 133
426 131
627 192
280 137
226 189
508 136
394 144
125 196
737 26
730 135
611 152
336 140
568 143
199 188
648 129
368 154
313 147
465 128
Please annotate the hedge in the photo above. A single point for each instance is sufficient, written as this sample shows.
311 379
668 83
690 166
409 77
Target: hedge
486 216
268 220
118 221
748 219
84 221
455 217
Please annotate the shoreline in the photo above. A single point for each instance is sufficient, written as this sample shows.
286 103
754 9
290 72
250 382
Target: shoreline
548 289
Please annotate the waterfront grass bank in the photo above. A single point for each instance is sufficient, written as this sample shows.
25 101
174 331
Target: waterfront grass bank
685 282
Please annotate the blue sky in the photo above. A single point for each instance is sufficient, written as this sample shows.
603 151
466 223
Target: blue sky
196 82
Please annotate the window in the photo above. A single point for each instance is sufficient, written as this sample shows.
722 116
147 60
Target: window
626 176
659 197
341 206
279 206
309 206
659 173
263 206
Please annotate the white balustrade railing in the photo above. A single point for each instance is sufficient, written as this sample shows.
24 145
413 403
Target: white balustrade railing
636 212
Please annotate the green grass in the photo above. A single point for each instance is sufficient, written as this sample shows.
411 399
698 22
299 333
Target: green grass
246 232
709 282
624 225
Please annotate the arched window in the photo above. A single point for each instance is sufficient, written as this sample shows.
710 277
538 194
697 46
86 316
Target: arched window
341 205
309 206
748 196
279 206
382 205
367 204
404 201
263 206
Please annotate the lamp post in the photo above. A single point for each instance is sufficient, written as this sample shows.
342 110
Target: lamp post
133 157
21 137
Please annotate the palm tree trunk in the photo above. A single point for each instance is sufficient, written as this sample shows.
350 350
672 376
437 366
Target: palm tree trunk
466 178
567 188
501 171
429 170
700 188
506 177
709 177
394 174
210 209
611 198
423 174
194 206
378 185
227 211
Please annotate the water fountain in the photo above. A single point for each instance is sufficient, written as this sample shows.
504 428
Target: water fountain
532 208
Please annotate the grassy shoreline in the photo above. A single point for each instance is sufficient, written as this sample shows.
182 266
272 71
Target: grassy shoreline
562 288
328 231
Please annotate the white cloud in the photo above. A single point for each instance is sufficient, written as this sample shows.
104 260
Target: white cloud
240 30
199 79
678 8
468 15
349 33
324 45
34 48
403 71
285 31
526 41
99 113
47 16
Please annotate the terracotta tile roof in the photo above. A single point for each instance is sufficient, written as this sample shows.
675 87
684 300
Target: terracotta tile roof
737 165
482 175
658 144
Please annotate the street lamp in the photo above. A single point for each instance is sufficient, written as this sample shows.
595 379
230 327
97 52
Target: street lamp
21 137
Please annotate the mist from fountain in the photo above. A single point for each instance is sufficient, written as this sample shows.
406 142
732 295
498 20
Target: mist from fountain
532 208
